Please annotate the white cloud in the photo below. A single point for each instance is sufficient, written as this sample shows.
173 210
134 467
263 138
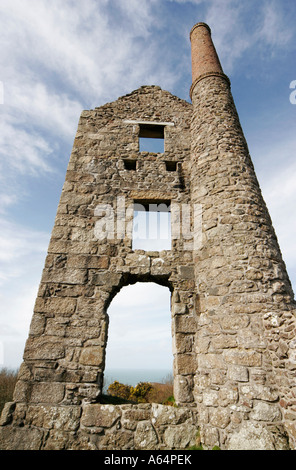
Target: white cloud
6 200
237 27
77 44
34 103
15 317
22 254
274 30
225 20
23 151
59 58
276 169
19 246
140 328
56 60
280 195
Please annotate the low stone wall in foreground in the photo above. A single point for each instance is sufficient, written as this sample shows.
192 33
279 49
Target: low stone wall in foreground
97 427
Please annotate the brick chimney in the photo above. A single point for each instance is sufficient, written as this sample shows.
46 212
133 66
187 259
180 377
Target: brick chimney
205 61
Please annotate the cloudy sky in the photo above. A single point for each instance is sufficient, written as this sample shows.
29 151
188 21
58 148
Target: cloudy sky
61 57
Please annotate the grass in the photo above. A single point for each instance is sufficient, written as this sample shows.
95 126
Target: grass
7 384
198 445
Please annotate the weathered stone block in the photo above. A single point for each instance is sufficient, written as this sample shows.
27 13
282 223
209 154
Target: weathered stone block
44 347
259 392
211 361
65 275
185 363
48 392
100 415
184 324
243 358
92 356
98 262
145 436
180 437
56 327
37 325
117 440
134 413
223 342
55 305
7 413
138 260
163 415
238 373
90 307
220 417
266 412
20 438
179 309
187 272
234 322
106 279
183 343
211 398
251 436
183 389
66 418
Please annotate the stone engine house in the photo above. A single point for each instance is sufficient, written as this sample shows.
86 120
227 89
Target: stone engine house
232 305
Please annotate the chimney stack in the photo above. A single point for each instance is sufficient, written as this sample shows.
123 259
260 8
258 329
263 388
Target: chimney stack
239 245
205 61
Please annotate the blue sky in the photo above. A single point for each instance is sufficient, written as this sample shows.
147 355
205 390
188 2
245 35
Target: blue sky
59 58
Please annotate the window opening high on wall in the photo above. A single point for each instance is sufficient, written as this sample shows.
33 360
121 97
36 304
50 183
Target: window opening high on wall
151 138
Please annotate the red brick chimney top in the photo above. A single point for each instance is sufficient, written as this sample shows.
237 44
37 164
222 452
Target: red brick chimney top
205 60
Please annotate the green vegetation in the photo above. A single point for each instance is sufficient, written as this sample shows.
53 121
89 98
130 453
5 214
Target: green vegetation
198 444
118 390
140 392
7 384
143 392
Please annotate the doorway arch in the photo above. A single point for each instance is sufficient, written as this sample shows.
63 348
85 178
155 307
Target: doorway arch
183 328
139 345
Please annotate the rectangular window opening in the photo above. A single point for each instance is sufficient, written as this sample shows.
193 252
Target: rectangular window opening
171 166
151 138
130 165
152 225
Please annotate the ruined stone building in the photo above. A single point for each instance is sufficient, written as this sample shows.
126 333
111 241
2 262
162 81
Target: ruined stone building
232 305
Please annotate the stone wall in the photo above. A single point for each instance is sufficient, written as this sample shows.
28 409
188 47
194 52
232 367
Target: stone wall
99 427
64 357
65 351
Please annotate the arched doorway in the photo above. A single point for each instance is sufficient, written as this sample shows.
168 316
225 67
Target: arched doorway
139 346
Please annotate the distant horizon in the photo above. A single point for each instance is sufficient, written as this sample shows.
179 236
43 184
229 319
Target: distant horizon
134 376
